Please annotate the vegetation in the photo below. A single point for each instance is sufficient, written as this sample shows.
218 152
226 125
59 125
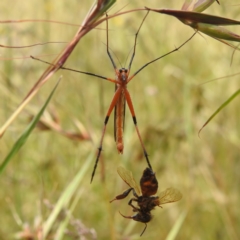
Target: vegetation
171 101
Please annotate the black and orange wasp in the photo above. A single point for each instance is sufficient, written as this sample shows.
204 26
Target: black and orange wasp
145 200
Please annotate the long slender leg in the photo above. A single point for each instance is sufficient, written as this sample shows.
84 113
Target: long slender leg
74 70
109 54
112 105
131 108
145 65
135 43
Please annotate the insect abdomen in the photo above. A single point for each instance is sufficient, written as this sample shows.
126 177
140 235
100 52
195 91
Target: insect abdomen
119 122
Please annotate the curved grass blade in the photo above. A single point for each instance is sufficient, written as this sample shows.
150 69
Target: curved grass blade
98 9
189 17
199 6
220 108
216 32
24 136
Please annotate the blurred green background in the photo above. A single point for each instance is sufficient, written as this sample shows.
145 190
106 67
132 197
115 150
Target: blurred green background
171 104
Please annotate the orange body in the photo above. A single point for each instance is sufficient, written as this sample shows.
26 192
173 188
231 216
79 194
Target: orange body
119 113
119 122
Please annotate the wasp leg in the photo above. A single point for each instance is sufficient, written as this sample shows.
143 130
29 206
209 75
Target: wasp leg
135 209
143 230
123 195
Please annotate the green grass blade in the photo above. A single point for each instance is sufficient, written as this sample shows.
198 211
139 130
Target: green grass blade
100 8
217 32
174 231
24 136
66 196
219 109
106 5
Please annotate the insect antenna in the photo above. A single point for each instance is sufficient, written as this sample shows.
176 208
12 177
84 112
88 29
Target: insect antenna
115 55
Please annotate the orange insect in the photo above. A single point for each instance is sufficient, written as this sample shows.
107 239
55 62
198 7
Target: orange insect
120 98
145 201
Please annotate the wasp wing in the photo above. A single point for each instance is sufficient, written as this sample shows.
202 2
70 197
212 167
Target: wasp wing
127 177
169 195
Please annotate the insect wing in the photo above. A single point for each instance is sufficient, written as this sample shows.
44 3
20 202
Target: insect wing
169 195
127 177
